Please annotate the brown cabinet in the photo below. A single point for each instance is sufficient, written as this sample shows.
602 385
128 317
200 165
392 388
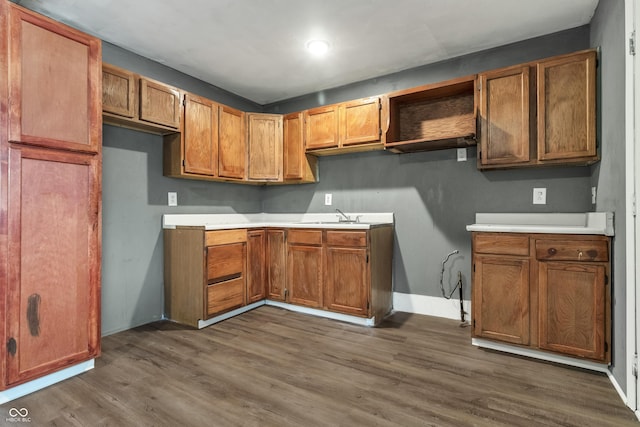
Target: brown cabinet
548 292
276 261
137 102
200 136
345 127
539 113
347 275
256 266
54 84
205 273
264 133
297 166
304 267
232 146
432 117
50 223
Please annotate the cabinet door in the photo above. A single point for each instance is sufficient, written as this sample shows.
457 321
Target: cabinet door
256 267
505 116
265 146
304 278
501 299
321 126
572 308
232 147
200 133
567 107
54 261
347 280
118 91
276 264
360 121
159 103
54 83
294 155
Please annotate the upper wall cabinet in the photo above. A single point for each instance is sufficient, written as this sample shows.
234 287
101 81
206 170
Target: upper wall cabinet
264 133
540 113
53 69
133 101
232 144
432 117
297 166
346 127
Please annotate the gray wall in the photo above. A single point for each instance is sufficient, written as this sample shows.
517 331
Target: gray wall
135 197
607 31
432 195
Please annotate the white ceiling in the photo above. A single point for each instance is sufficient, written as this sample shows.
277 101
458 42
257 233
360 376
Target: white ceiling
256 48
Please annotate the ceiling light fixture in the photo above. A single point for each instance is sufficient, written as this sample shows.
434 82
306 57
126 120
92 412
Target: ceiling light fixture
318 47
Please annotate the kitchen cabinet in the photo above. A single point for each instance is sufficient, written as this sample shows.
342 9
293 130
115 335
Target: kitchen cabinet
200 136
137 102
256 266
347 280
276 262
539 113
432 117
297 166
304 267
545 291
501 287
204 273
232 146
264 132
345 127
50 221
54 84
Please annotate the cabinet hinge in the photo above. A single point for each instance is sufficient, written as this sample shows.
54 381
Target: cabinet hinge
380 133
474 323
606 347
183 164
479 86
632 43
474 267
367 258
379 105
606 279
367 305
634 365
12 346
286 292
184 101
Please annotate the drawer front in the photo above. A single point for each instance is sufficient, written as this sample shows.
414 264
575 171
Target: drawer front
572 250
305 237
224 296
501 244
224 237
347 238
225 261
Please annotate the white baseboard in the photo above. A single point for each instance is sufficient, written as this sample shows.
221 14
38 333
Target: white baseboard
431 306
323 313
621 392
40 383
227 315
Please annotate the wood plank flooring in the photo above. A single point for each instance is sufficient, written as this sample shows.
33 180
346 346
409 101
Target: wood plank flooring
273 367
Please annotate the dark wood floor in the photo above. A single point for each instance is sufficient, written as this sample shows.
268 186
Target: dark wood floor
272 367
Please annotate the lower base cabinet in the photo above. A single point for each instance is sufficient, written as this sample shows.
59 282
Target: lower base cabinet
208 273
544 291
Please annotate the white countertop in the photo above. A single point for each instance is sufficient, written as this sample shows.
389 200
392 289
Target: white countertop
296 220
600 223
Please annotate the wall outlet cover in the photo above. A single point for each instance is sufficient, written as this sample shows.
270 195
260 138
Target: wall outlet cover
328 199
172 198
462 154
539 196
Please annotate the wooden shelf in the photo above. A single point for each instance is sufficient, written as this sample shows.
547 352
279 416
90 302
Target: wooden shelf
433 117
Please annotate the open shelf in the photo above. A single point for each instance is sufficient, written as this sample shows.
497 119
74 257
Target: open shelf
433 117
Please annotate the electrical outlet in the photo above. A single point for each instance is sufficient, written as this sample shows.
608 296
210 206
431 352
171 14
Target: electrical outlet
539 196
172 198
328 199
593 195
462 154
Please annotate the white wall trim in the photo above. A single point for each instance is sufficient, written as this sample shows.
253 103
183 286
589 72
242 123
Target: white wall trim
619 389
46 381
323 313
431 306
229 314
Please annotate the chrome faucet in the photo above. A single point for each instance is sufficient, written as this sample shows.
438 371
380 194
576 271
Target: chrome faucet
343 215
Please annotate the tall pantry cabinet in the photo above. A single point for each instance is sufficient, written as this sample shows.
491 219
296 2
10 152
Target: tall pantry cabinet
50 195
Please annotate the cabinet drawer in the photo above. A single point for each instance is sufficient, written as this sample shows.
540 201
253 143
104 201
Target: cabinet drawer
572 250
501 244
305 237
347 238
224 237
225 296
225 261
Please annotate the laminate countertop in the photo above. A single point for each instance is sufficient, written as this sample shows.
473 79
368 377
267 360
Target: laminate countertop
597 223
